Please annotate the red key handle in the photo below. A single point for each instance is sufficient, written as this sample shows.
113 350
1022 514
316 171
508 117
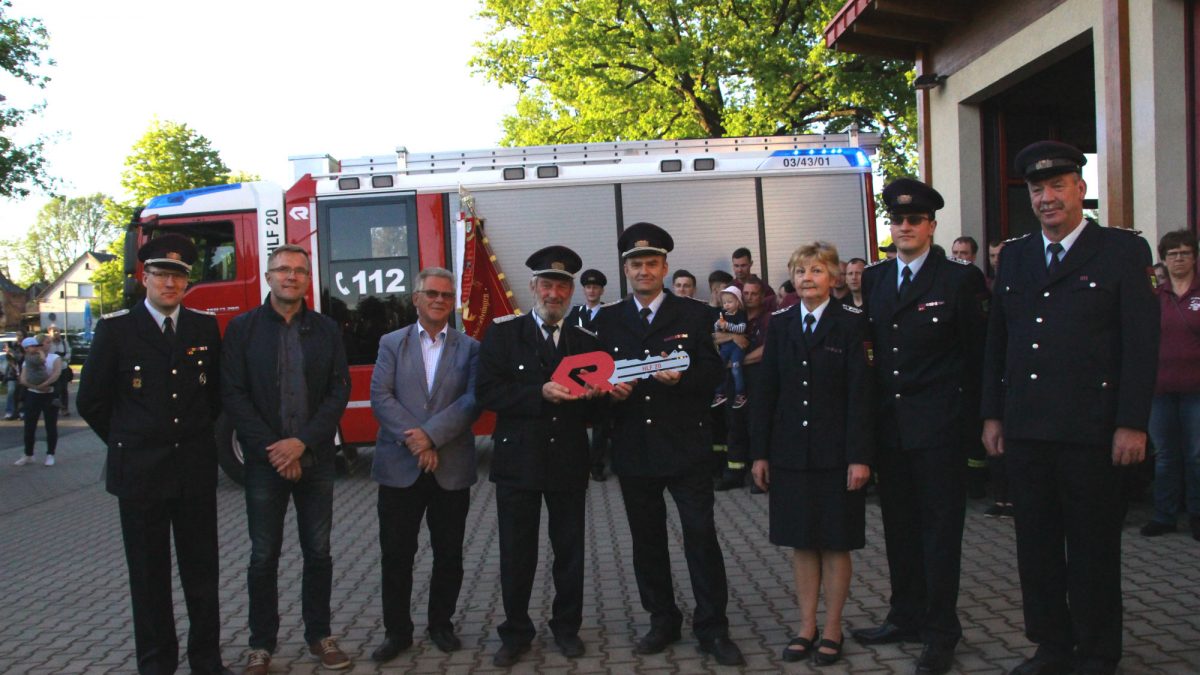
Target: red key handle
577 371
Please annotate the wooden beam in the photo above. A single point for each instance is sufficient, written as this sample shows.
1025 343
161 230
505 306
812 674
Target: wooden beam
924 132
942 11
1118 130
903 31
881 47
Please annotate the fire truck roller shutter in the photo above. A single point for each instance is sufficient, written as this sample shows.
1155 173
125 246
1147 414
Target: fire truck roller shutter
519 222
806 208
707 218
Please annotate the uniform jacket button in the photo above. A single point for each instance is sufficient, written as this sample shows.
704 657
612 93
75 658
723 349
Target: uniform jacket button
647 398
648 421
897 395
1035 345
1033 376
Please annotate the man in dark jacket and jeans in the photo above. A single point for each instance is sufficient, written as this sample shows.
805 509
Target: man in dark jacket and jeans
285 383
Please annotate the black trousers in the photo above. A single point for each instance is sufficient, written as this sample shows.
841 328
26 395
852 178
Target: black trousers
519 513
40 405
923 496
1068 507
147 525
601 433
400 513
647 513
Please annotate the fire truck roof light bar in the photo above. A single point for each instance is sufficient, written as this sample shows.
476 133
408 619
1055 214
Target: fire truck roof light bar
855 156
414 163
350 183
178 198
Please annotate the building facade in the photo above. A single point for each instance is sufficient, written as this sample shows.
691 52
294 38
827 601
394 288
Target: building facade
1116 78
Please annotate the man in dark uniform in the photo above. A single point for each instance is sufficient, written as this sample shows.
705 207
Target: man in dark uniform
150 390
541 452
662 441
928 330
1072 354
593 283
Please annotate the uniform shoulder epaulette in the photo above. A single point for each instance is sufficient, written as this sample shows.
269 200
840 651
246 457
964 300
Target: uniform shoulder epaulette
877 262
849 308
589 332
113 315
785 309
614 302
506 317
695 299
959 261
205 312
1124 229
1018 238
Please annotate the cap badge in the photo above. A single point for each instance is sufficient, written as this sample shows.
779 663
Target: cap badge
640 243
904 199
558 266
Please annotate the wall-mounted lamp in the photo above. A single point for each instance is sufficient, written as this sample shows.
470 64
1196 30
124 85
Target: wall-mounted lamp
928 81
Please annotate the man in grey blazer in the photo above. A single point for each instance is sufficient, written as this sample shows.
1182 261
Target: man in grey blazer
423 394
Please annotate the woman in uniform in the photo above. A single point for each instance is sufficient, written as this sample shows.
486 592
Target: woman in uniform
812 443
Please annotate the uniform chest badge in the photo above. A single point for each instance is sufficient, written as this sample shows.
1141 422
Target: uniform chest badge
203 379
193 350
137 382
926 305
870 349
671 338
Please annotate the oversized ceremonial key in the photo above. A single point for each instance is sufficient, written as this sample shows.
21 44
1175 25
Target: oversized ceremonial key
598 370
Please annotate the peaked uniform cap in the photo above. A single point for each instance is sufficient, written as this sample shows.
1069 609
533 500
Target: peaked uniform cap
554 261
168 251
644 239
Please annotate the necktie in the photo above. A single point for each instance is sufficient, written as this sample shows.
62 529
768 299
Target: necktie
1055 250
809 321
169 329
645 312
551 348
905 280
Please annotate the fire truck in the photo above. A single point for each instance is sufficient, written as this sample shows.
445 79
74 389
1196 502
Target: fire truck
371 224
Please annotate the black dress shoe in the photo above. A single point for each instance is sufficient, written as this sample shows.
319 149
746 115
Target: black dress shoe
885 634
655 641
507 656
445 639
570 645
935 660
723 650
390 649
1041 665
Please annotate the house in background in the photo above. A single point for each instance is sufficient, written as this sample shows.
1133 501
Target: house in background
1116 78
65 301
13 300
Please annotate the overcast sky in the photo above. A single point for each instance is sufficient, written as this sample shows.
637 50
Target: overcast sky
262 79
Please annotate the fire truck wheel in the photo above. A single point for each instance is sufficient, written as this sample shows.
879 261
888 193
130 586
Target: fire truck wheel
229 451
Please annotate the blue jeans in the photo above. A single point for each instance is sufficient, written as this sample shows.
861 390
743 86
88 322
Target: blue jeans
10 400
732 354
1175 431
267 495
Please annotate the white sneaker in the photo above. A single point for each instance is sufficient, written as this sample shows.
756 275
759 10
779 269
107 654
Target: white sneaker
25 459
49 460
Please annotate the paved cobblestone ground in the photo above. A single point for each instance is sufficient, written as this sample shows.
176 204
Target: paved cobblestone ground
65 608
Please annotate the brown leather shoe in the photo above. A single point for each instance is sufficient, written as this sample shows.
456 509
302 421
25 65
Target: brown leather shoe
258 662
332 657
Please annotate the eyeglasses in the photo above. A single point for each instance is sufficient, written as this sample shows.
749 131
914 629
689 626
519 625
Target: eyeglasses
1179 254
289 271
165 275
432 295
913 219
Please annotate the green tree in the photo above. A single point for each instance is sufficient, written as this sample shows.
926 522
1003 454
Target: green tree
241 177
22 42
169 157
596 70
65 229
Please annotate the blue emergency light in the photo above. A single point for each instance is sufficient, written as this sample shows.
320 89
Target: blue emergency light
178 198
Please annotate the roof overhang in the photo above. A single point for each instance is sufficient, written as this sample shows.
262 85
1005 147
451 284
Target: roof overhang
893 29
